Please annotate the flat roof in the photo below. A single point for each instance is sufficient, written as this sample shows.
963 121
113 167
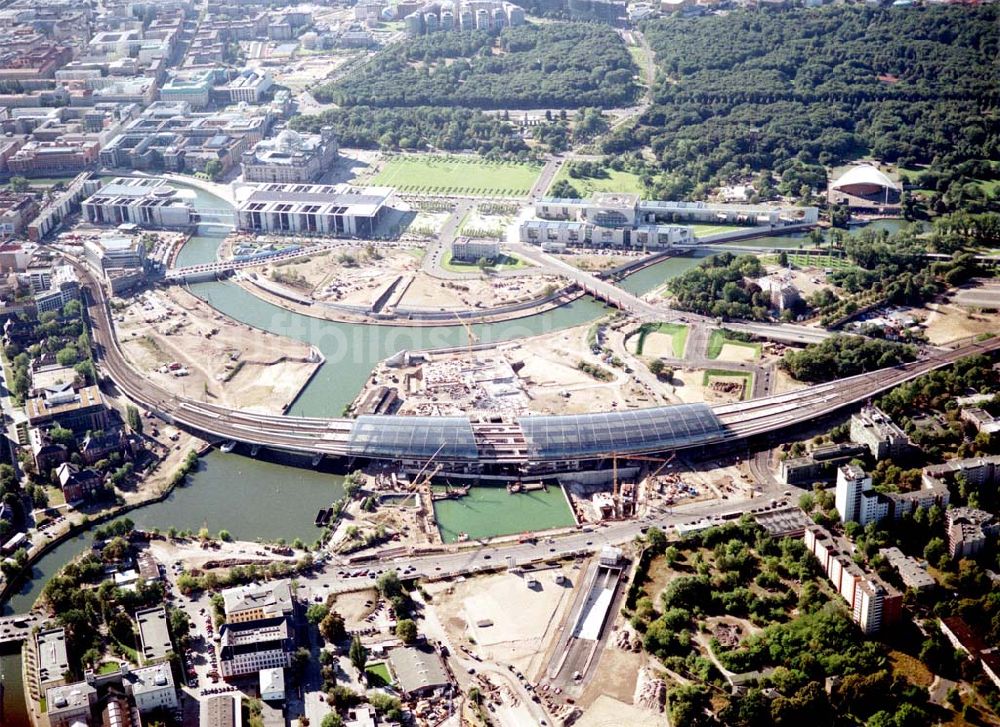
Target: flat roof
151 678
416 668
87 397
52 659
221 710
154 637
274 598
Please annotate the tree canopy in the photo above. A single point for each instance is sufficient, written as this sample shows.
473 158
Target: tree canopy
818 85
560 65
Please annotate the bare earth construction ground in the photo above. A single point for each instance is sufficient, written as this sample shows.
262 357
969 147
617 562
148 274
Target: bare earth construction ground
171 326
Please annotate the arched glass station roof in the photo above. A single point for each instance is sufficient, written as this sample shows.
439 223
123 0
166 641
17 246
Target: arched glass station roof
642 430
413 437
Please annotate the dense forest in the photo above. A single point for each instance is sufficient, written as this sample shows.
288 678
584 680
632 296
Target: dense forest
843 356
819 86
363 127
559 65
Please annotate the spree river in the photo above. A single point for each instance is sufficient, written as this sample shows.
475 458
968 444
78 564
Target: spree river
268 500
252 498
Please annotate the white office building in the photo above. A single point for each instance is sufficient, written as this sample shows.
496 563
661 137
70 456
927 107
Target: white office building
146 202
152 687
312 209
247 648
272 684
114 250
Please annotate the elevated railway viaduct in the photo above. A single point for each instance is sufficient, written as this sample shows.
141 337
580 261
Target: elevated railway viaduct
526 445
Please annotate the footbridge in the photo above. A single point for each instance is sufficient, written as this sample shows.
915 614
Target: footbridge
214 217
531 444
210 271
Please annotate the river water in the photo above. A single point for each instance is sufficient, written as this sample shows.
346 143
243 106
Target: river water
252 498
256 499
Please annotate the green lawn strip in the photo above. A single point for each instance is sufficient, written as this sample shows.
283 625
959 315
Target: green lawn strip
719 339
504 262
108 667
802 260
703 230
720 373
378 674
624 182
449 175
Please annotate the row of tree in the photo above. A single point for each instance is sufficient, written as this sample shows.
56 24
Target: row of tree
448 129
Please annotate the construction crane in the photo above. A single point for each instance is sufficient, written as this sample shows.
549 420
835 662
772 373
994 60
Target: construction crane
472 337
417 481
642 458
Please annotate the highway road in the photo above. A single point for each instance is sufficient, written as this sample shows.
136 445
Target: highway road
338 575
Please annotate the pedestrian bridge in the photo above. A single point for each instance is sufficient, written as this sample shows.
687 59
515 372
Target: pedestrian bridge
210 271
219 217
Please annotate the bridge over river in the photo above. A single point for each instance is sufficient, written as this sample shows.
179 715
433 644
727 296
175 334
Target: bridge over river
534 444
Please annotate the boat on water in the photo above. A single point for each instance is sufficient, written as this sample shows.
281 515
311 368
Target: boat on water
228 446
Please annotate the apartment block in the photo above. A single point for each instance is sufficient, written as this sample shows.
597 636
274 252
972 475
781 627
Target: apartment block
913 574
873 603
16 211
875 429
820 465
852 483
970 530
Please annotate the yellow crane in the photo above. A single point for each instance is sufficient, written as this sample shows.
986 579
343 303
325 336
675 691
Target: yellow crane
642 458
472 338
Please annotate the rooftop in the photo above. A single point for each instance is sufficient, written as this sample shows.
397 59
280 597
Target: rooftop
151 678
274 599
69 697
153 633
52 659
417 668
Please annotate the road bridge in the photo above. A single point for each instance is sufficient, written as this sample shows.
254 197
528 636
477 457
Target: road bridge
207 271
17 628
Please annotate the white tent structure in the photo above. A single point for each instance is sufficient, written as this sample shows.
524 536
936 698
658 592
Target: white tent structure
864 180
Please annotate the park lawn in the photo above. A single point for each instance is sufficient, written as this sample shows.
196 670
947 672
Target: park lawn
702 230
719 339
747 376
108 667
378 674
678 336
56 496
504 262
457 175
624 182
